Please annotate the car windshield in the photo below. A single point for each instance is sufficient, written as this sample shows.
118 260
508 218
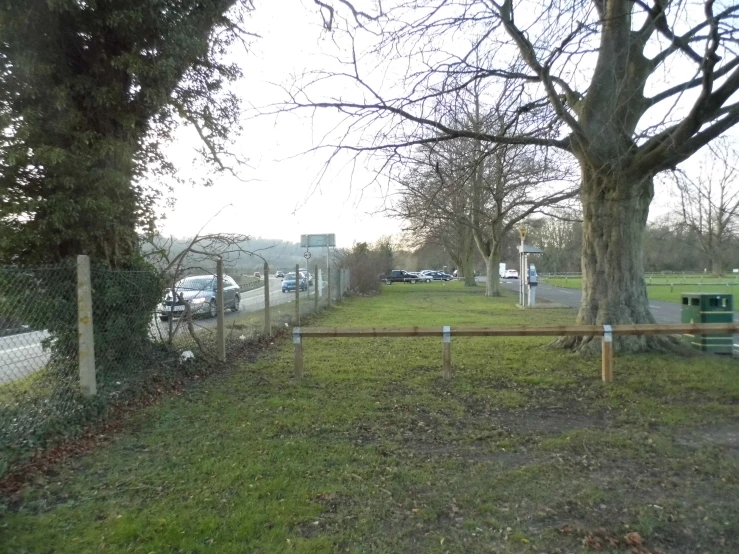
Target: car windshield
196 283
290 276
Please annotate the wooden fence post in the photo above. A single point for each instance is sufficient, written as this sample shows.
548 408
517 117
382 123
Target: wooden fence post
221 321
316 278
607 349
86 346
328 286
298 346
447 351
267 318
297 294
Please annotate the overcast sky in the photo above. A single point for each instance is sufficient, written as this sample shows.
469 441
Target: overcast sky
284 196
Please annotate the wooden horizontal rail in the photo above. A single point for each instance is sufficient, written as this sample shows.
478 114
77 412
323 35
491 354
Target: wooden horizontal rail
607 332
520 331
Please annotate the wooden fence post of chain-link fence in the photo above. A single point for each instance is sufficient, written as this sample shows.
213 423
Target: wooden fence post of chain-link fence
221 322
297 294
267 320
84 327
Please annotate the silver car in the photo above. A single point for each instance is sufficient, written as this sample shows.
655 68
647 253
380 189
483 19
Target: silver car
199 292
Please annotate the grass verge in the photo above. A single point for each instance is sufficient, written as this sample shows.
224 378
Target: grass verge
525 450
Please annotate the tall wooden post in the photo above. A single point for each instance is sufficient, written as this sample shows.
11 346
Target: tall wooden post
84 327
220 308
297 294
315 295
328 286
267 320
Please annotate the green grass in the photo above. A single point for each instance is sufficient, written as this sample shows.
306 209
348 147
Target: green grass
658 290
374 452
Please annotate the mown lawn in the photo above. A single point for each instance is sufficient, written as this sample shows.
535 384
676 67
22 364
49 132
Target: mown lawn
658 290
524 450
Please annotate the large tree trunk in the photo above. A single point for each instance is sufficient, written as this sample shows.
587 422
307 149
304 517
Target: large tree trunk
492 266
613 287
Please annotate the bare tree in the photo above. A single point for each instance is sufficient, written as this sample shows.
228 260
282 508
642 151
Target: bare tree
633 88
438 212
484 190
709 202
560 238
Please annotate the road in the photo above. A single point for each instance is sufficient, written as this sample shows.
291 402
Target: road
23 354
663 312
251 301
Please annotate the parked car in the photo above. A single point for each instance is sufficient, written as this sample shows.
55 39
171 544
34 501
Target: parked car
422 277
289 282
399 276
511 274
199 292
307 273
257 275
279 275
440 276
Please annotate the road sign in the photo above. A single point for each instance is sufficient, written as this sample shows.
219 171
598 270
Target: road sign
317 241
307 255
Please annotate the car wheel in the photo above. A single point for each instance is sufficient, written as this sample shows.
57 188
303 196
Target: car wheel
388 282
212 309
235 307
413 281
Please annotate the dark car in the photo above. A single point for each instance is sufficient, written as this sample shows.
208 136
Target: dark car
279 275
440 276
199 293
399 276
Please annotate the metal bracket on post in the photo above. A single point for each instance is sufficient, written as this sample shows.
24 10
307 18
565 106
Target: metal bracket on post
296 335
607 349
446 341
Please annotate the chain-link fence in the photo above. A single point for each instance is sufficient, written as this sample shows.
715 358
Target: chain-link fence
145 331
38 317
